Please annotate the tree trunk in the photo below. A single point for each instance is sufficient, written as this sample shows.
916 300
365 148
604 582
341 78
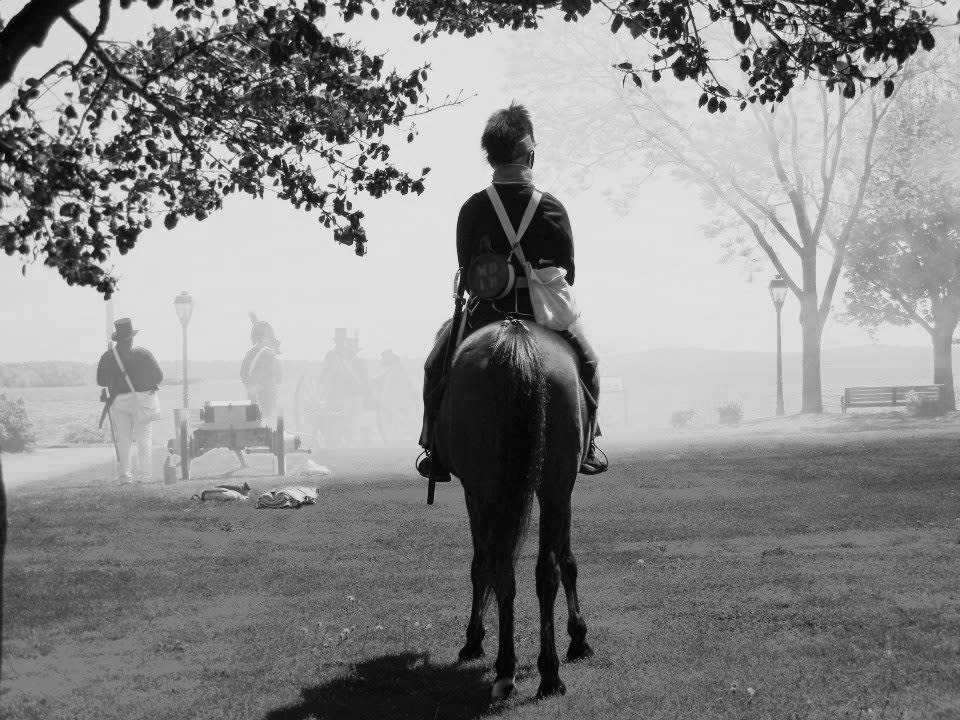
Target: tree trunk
811 391
943 362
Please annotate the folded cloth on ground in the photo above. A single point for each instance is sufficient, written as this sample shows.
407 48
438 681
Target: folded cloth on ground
222 493
288 497
312 468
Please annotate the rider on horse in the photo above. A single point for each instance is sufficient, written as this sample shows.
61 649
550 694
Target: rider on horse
548 241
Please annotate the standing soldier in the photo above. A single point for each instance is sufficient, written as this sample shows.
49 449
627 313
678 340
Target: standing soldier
132 378
345 381
260 370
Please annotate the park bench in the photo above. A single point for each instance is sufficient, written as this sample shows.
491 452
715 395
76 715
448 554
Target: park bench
859 397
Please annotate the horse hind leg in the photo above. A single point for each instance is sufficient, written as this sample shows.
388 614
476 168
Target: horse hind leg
505 588
548 583
473 648
576 627
579 649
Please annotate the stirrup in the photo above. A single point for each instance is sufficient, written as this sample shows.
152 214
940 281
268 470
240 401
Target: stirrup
596 465
424 466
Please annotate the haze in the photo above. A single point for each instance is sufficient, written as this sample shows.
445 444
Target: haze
646 280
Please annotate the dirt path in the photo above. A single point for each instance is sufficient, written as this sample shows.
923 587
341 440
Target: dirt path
48 464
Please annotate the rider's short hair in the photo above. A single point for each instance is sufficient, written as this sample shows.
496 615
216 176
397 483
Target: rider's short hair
503 133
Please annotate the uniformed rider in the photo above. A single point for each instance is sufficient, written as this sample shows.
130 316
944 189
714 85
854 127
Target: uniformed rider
508 142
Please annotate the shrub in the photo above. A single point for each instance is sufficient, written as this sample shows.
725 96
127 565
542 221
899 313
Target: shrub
85 434
924 406
17 433
730 413
681 418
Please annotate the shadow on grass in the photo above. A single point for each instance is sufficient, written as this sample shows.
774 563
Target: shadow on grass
405 686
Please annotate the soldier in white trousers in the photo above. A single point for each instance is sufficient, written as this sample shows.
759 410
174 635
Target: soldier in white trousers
132 378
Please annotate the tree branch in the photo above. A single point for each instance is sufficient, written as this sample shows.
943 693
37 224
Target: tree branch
28 29
907 307
769 214
758 235
795 144
796 197
831 285
101 27
828 176
136 87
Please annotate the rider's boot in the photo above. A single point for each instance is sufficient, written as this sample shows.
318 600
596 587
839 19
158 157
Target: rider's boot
595 462
428 464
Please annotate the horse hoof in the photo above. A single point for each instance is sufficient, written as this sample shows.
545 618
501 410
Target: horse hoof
579 651
547 689
503 688
471 652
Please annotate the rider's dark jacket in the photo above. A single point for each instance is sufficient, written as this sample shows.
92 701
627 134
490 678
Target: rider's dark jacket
547 241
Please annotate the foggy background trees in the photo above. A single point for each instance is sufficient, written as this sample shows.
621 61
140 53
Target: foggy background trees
787 184
904 256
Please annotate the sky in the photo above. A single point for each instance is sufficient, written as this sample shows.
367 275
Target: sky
648 279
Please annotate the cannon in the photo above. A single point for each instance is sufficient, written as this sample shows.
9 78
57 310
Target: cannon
237 426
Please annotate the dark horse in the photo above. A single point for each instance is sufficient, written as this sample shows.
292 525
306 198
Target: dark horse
513 423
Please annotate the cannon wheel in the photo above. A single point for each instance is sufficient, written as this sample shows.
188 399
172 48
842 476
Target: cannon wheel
185 450
308 403
280 447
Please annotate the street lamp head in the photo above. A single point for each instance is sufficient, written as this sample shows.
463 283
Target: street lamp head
184 305
778 291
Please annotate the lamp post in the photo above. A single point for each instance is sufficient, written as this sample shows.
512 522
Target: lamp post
184 305
778 293
109 318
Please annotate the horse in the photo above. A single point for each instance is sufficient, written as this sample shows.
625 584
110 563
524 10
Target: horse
513 423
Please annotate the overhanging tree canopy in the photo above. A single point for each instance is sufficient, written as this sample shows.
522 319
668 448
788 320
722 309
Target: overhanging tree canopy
247 97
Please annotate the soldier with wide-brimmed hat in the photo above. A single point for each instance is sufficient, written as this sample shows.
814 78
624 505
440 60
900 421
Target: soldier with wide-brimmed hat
132 378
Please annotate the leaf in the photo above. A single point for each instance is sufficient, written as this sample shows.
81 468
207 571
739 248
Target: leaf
616 24
887 88
625 66
741 31
375 14
170 221
636 80
703 100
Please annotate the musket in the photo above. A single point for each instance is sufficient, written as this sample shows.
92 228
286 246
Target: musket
452 340
107 399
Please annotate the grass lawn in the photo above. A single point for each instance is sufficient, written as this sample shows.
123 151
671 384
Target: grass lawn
813 576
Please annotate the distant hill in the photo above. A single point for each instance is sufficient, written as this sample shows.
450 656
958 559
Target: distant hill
50 373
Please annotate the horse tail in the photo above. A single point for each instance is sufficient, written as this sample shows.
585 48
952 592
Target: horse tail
516 369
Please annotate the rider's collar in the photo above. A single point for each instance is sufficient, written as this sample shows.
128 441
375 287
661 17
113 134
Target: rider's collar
512 174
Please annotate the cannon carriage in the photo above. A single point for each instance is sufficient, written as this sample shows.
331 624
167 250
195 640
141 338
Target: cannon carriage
237 426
